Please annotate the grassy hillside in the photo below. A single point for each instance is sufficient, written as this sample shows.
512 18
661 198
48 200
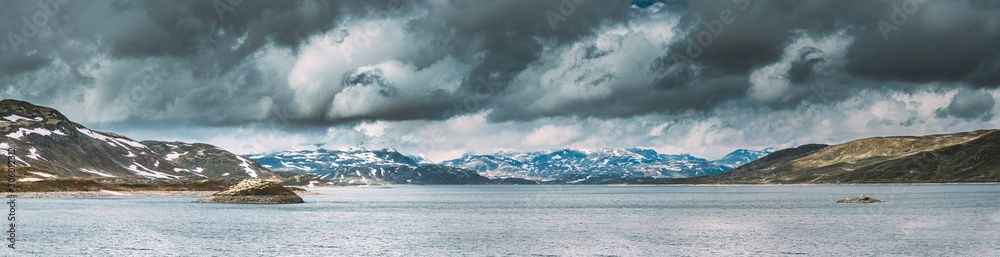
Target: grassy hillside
947 158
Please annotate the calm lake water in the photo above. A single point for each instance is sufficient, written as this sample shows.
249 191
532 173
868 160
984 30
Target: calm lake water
923 220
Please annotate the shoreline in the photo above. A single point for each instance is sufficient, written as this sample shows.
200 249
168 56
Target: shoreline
843 184
108 193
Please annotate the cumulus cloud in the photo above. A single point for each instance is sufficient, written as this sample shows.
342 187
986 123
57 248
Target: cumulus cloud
679 76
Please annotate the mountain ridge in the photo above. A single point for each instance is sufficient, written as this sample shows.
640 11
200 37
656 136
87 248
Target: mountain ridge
45 139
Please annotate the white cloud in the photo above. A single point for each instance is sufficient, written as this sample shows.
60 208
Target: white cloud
551 136
658 129
371 129
594 68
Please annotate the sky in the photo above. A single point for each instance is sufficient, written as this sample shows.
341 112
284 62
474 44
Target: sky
442 78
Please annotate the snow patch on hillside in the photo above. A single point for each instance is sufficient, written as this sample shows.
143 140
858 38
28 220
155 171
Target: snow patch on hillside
33 154
113 141
23 131
246 167
98 136
15 118
130 143
44 174
173 156
141 170
97 172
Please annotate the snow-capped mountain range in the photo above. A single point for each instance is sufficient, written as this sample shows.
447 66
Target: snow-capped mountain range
631 162
367 167
541 165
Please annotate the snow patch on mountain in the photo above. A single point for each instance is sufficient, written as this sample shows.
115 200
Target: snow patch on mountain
44 174
246 167
23 131
97 172
33 154
130 143
142 170
114 141
98 136
15 118
173 156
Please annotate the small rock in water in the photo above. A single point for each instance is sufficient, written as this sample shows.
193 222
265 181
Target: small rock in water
254 191
860 199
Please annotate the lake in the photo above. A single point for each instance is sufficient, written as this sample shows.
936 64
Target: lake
931 220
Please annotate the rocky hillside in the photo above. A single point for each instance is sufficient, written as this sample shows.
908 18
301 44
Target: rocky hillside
959 157
208 160
46 140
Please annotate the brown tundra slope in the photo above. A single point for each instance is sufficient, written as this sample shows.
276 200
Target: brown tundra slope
945 158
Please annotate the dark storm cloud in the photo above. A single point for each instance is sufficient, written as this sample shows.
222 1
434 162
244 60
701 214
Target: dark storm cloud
940 41
934 41
138 29
17 64
199 48
209 56
509 36
969 104
803 68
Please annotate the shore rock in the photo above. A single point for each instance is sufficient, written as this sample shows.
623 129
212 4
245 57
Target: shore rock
860 199
254 191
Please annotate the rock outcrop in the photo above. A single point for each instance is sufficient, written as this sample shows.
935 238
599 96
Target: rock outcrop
859 199
254 191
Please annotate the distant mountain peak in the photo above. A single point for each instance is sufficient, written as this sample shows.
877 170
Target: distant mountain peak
740 157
